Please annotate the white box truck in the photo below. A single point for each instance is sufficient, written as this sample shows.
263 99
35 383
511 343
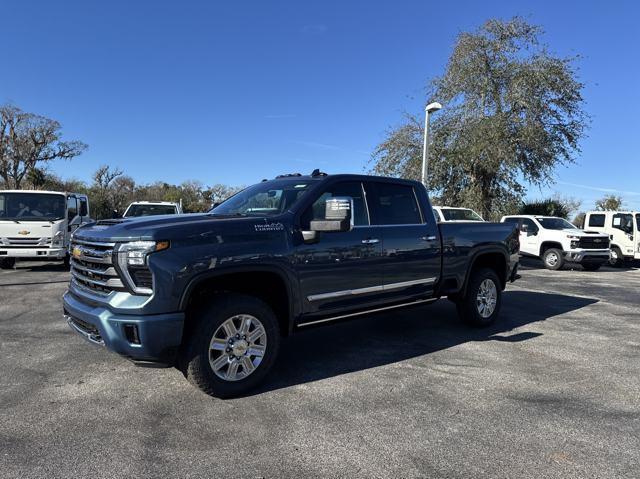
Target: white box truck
39 224
623 227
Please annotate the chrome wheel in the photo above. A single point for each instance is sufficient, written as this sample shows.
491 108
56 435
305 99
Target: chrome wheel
487 298
552 259
237 347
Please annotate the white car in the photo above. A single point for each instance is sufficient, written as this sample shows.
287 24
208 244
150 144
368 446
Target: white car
39 224
152 208
556 241
447 214
623 227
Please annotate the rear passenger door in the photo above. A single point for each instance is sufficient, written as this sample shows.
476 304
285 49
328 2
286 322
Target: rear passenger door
410 240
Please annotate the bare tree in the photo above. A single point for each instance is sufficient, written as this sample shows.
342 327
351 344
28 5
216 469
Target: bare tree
27 140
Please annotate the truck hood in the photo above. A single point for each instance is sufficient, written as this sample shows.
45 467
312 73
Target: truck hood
582 233
171 227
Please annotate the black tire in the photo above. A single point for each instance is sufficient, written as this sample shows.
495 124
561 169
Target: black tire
616 260
468 306
552 259
7 263
591 266
206 321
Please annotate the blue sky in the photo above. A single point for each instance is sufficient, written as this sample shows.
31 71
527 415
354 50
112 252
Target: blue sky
233 92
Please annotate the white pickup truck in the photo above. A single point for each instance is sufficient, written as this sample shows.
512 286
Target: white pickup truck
556 242
445 214
623 227
152 208
38 224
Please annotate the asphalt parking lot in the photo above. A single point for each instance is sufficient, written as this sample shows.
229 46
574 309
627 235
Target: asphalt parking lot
553 390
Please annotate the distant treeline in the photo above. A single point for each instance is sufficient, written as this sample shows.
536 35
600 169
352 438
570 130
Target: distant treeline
111 190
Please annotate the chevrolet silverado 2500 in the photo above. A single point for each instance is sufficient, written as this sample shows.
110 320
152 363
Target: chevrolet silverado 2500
214 293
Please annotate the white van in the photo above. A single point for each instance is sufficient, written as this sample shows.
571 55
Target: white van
623 227
39 224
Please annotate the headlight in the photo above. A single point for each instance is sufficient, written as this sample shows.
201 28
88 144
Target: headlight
58 239
573 237
133 260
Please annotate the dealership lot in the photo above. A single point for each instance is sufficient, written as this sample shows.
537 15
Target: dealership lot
551 391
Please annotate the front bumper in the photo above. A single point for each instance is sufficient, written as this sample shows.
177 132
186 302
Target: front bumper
587 256
54 253
157 336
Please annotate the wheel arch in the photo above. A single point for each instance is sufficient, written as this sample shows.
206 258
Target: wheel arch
494 258
269 283
548 245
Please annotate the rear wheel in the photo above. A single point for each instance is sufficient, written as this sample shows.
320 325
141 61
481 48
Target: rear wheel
233 345
7 263
481 304
616 259
552 259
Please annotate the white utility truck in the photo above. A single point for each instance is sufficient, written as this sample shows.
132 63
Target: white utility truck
447 214
556 242
623 227
152 208
39 224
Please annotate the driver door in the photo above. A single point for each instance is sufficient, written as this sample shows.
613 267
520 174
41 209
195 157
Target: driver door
340 270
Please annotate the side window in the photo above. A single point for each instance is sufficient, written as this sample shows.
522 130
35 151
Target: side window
82 205
532 228
394 204
348 188
623 221
596 221
72 207
436 215
514 221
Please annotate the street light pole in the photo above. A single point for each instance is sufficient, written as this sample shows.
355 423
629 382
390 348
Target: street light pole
430 108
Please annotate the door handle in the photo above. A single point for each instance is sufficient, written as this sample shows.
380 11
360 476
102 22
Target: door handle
370 241
428 238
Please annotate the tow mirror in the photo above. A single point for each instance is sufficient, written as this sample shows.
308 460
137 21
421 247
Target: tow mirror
83 208
337 216
115 215
524 228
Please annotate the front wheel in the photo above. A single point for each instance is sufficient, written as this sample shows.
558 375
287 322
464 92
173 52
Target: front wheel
232 346
616 259
7 263
481 304
553 259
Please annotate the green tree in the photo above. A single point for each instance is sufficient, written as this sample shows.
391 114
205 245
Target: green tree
609 203
28 140
513 112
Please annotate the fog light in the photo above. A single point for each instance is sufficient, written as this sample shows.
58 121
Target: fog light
131 333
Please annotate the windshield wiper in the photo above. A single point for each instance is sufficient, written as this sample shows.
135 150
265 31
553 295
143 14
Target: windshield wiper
229 215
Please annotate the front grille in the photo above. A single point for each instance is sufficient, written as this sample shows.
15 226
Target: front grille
24 242
597 242
92 267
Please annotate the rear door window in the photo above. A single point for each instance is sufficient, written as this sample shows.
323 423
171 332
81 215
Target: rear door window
394 204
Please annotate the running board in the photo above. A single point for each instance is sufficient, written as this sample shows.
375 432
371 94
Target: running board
369 311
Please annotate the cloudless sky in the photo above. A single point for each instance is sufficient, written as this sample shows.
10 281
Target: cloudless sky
233 92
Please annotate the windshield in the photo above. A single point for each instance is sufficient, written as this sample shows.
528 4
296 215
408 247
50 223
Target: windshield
31 206
555 224
150 210
269 198
451 214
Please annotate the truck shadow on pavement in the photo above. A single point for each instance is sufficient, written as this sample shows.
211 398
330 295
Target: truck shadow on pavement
386 338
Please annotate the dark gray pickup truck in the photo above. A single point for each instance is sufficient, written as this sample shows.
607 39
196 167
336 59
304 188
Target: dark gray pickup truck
214 293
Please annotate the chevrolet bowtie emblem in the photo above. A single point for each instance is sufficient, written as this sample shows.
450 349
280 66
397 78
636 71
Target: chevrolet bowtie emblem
24 232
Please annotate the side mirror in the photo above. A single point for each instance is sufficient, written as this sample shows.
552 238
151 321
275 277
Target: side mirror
524 228
83 208
115 215
338 216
